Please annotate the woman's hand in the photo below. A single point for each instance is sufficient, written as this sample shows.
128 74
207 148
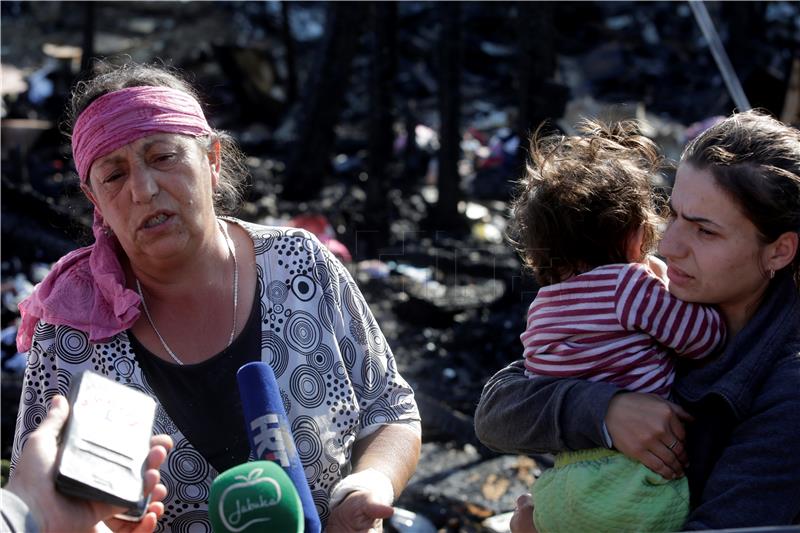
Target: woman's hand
382 464
646 428
522 519
359 512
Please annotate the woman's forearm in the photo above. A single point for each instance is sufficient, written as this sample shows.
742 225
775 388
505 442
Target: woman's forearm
392 450
517 414
383 462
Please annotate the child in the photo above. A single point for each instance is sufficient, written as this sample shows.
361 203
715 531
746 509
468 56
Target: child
585 220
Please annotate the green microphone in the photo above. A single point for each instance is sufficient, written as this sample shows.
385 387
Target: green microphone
255 497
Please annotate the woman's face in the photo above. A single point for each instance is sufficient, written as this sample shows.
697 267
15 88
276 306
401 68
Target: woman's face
156 194
712 250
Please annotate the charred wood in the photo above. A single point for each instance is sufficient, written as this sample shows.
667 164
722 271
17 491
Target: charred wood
383 65
324 99
88 36
288 43
446 215
540 98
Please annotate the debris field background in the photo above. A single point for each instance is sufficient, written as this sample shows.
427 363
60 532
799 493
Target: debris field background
394 131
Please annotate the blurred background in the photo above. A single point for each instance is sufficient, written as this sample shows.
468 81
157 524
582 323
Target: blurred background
395 132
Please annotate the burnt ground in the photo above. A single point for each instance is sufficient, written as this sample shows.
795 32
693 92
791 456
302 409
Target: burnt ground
449 294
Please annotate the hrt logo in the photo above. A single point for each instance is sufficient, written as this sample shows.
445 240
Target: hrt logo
268 440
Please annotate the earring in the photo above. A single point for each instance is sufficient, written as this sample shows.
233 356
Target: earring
771 273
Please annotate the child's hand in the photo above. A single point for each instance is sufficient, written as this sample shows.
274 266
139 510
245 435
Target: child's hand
658 267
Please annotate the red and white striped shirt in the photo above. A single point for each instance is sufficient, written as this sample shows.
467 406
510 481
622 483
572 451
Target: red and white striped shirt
619 324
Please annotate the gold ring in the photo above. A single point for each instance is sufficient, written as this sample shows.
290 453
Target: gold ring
671 446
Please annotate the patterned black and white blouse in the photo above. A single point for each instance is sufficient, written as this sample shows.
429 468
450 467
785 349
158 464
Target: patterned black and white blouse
338 377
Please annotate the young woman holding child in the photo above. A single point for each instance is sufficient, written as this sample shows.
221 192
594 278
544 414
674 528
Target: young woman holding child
731 241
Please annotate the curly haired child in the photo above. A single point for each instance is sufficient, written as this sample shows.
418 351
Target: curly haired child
585 221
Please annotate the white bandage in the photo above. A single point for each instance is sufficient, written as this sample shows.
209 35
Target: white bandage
370 480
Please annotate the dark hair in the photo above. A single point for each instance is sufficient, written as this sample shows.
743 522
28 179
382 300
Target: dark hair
109 77
756 160
582 198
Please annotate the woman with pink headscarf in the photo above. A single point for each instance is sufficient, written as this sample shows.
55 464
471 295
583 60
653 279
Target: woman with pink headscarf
173 297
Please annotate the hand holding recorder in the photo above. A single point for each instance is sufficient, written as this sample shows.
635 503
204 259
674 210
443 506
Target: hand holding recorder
49 510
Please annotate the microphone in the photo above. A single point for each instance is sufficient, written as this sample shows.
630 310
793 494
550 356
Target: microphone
254 497
269 434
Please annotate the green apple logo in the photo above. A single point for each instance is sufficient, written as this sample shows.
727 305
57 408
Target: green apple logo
242 504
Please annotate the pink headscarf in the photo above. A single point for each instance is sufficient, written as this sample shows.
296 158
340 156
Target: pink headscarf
86 288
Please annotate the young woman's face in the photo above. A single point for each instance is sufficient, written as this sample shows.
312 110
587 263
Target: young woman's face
156 194
712 250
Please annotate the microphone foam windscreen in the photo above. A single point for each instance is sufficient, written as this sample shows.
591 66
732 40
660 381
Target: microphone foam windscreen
255 497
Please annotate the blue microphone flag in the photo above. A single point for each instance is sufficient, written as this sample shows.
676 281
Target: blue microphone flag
269 432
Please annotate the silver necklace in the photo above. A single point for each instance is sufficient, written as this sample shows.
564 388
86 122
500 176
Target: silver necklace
229 242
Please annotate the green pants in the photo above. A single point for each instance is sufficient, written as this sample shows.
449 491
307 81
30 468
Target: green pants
601 490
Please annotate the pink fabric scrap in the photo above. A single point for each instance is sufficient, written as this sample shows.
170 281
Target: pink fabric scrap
86 288
322 229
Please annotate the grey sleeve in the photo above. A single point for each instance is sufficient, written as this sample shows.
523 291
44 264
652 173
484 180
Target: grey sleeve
518 414
16 515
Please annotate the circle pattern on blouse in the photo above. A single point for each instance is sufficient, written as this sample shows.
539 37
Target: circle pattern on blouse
276 351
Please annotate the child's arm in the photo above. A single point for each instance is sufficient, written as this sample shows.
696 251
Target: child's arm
643 303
